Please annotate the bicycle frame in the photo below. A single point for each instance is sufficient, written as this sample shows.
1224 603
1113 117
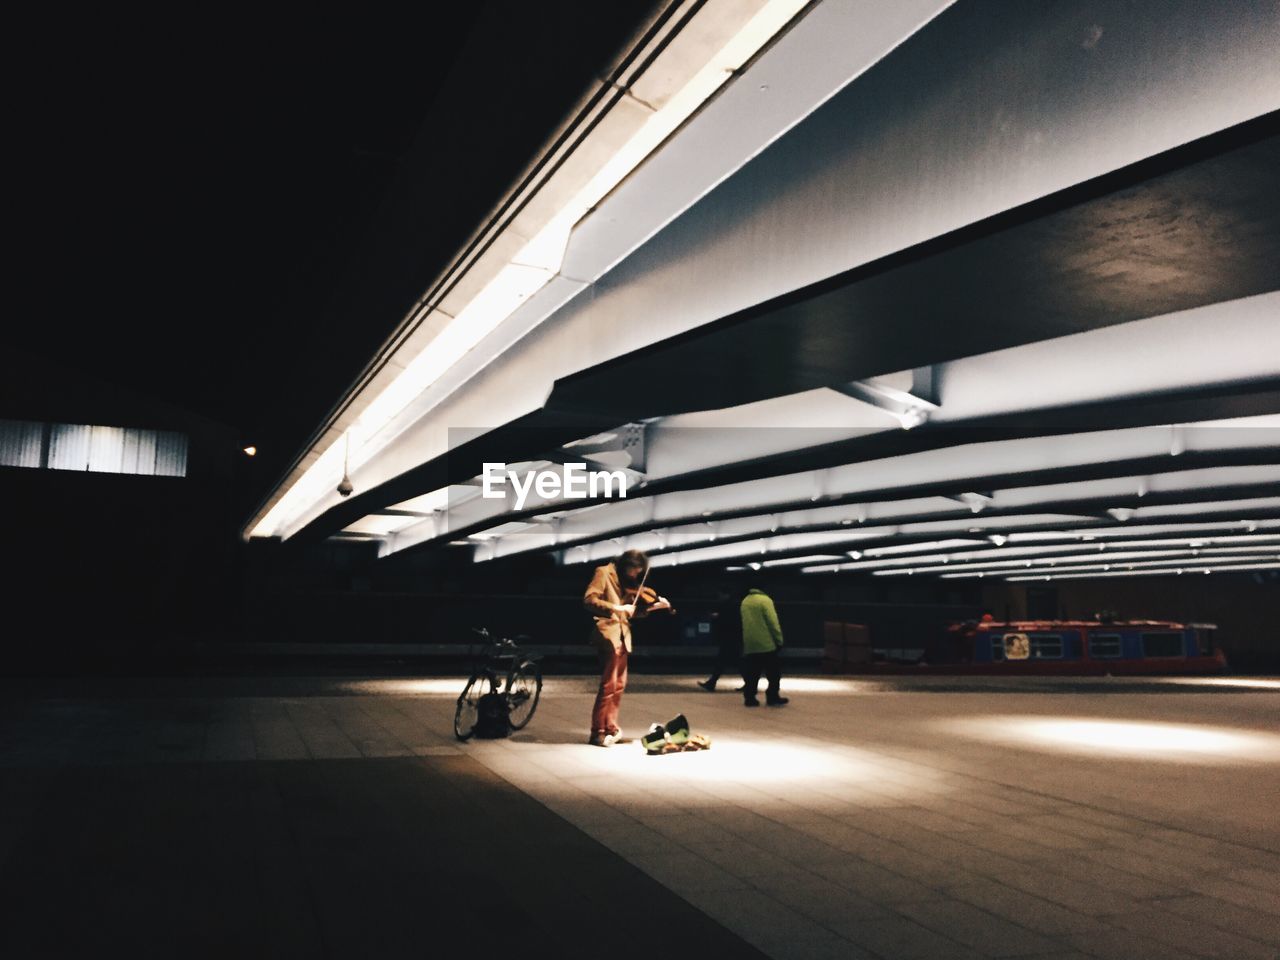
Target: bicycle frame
501 662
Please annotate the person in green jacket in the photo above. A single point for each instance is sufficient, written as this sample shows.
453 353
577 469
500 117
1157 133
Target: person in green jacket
761 641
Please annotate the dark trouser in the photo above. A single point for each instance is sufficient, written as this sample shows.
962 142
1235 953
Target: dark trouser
727 658
768 664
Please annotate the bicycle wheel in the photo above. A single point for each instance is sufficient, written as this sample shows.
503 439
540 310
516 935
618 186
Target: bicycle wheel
524 687
467 711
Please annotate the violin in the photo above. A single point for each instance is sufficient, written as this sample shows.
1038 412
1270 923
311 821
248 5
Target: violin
643 596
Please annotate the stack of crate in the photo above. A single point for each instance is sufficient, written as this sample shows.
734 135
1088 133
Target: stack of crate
846 647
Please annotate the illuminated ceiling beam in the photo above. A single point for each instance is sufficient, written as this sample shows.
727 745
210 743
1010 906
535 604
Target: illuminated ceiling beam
919 538
523 264
1239 512
1098 558
909 536
893 214
1186 570
1246 326
979 552
477 515
856 492
911 406
1129 496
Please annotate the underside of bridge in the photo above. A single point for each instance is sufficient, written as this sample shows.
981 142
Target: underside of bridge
884 290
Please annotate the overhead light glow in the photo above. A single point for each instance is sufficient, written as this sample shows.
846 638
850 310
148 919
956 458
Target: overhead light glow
798 561
912 418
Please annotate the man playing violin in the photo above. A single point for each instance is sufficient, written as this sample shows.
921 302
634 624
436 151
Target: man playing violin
616 595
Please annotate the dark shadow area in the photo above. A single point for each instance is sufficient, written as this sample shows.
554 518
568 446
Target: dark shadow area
367 858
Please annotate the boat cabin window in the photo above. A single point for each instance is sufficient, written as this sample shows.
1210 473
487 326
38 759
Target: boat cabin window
1046 646
1164 644
1104 645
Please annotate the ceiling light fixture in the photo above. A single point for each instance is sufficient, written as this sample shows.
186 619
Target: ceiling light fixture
912 418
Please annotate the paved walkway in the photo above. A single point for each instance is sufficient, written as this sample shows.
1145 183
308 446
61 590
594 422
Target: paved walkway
897 819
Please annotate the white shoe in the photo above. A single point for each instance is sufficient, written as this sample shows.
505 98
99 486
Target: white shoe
611 738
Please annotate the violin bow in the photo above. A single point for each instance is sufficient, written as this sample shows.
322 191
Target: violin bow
643 578
640 589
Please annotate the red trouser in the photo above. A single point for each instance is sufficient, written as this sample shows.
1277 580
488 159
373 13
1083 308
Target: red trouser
613 680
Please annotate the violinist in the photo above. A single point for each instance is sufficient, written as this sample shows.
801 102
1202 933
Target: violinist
616 595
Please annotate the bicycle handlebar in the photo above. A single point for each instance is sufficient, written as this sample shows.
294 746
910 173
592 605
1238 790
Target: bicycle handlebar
484 634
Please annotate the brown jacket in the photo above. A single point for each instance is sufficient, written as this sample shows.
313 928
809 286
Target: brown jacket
603 593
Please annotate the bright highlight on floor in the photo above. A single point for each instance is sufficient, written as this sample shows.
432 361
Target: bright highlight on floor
734 760
1237 683
1123 739
407 687
452 686
846 776
811 685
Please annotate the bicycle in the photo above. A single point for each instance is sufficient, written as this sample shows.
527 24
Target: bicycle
519 686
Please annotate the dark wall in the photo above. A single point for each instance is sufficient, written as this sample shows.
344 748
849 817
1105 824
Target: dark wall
94 559
341 594
338 594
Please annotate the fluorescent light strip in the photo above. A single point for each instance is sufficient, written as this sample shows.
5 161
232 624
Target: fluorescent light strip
1076 563
1001 556
1108 556
796 561
934 545
1157 529
1041 570
945 566
783 495
1177 572
916 524
1233 506
697 548
1059 542
536 263
1065 553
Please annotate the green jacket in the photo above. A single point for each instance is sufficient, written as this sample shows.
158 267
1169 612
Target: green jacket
761 631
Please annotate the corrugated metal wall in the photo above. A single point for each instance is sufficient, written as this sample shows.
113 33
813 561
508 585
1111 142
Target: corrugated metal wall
20 443
69 446
171 454
97 449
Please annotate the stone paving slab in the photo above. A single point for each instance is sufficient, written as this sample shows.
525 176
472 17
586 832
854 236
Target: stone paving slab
863 820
